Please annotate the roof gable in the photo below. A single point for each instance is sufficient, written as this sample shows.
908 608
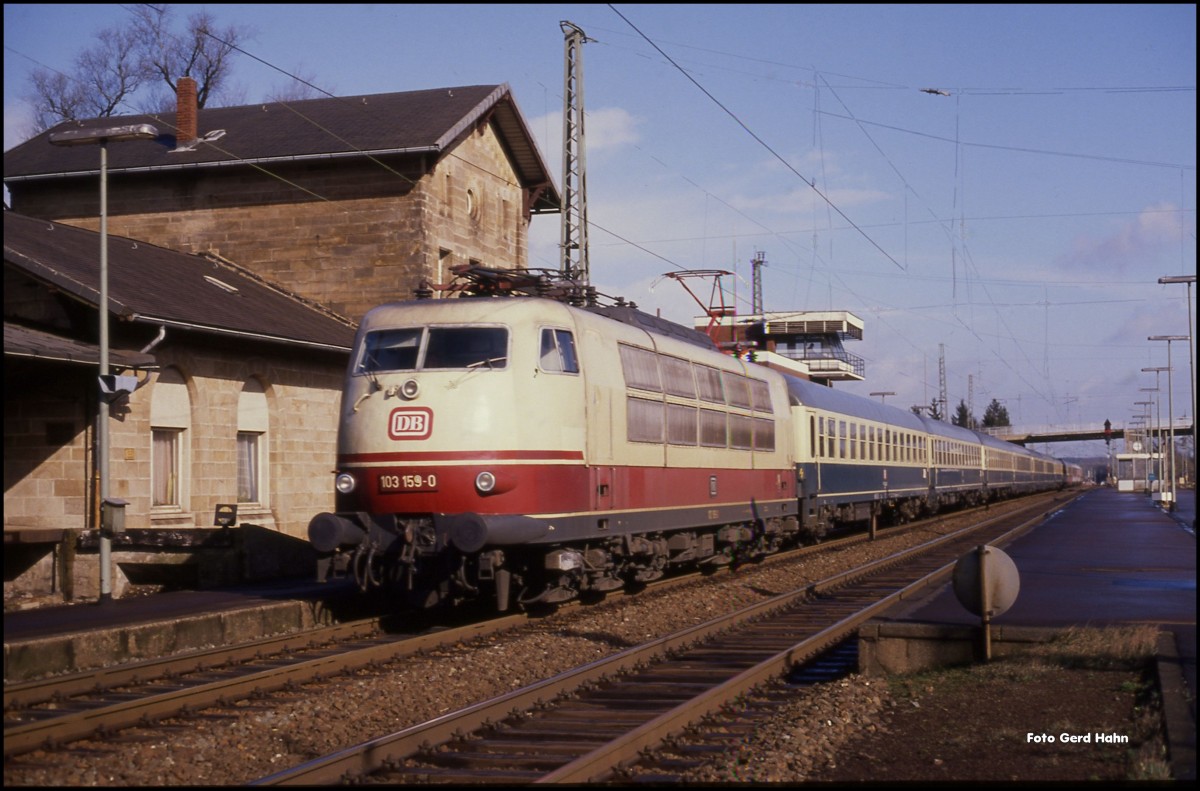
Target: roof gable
159 286
410 122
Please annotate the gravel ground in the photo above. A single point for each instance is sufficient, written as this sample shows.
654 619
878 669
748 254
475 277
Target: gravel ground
249 740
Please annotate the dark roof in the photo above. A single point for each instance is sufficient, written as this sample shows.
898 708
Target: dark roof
26 342
417 122
155 285
808 393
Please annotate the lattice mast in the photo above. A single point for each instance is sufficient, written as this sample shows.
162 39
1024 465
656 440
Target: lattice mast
574 265
756 265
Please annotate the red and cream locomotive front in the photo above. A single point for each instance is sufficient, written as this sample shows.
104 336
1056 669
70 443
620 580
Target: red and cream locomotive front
459 419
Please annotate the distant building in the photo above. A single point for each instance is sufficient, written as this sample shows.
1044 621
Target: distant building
803 343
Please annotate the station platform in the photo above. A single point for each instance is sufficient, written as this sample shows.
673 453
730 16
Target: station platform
77 637
1107 558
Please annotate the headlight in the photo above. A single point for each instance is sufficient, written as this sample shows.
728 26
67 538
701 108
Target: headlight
344 482
485 482
410 389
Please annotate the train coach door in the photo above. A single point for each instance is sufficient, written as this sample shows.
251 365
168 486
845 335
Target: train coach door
808 447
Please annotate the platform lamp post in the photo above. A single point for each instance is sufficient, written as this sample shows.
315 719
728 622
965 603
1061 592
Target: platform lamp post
102 136
1171 405
1158 389
1188 280
1155 411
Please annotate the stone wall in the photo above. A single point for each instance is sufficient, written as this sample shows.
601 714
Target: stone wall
49 473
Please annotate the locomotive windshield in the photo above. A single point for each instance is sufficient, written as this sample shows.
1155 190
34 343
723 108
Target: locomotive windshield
433 348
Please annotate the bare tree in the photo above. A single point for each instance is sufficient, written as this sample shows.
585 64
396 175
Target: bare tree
105 76
299 87
137 67
203 52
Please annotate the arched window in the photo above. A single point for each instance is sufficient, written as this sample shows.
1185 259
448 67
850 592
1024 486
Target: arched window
170 419
252 426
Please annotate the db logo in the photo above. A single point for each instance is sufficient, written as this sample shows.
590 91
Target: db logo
410 423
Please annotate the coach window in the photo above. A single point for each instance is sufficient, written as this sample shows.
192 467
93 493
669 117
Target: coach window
842 437
251 443
170 420
853 440
558 352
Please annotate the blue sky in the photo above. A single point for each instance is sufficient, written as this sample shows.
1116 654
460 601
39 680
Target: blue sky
1020 223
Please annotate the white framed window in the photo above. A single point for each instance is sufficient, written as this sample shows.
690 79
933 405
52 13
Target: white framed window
165 464
252 434
249 471
170 420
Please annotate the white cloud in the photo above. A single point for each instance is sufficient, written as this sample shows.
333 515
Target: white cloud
604 129
1156 229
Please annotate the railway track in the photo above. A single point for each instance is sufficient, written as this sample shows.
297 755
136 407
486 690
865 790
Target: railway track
53 712
588 724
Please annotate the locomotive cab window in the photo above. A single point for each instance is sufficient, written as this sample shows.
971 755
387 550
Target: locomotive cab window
558 352
390 350
466 347
414 348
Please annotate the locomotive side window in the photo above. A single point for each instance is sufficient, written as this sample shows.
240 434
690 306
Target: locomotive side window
390 350
737 389
681 424
709 380
644 420
677 377
741 432
761 395
712 429
640 367
764 434
466 347
558 352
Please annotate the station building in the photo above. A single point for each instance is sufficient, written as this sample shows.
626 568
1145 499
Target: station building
244 245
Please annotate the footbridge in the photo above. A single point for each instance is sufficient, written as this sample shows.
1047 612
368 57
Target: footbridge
1023 436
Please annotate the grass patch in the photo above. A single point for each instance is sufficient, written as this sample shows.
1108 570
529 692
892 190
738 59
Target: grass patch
1110 648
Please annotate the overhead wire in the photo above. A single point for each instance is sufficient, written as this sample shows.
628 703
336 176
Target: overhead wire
758 139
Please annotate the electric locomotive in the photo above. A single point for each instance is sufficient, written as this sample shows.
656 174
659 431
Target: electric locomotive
523 448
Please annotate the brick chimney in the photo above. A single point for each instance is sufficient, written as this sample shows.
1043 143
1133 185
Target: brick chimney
185 112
